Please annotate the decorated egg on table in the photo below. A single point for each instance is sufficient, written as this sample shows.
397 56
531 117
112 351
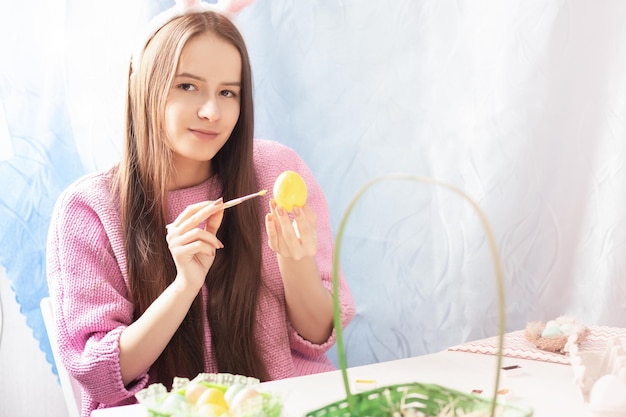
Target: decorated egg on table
175 403
552 323
567 328
232 391
551 330
290 190
243 398
608 394
193 392
212 396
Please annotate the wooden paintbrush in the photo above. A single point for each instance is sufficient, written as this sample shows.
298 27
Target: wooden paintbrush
236 201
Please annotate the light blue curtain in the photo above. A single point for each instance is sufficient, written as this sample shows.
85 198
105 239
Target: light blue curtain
522 104
38 153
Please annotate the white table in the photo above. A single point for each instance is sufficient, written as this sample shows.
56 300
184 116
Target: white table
546 387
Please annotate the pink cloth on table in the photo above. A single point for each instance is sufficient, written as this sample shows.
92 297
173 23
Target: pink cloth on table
516 346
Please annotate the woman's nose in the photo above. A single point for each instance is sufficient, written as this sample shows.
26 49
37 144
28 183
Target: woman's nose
209 110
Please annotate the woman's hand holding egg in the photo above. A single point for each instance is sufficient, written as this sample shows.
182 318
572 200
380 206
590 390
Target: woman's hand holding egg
297 239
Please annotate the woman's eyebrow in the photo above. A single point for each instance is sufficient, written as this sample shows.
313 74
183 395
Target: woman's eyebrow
196 77
189 75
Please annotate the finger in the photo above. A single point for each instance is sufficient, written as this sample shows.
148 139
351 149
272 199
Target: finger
272 227
274 212
189 211
287 233
214 222
197 247
306 230
307 212
272 232
199 214
176 239
305 221
196 251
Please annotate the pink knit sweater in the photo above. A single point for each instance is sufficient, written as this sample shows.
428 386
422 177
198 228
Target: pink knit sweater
88 282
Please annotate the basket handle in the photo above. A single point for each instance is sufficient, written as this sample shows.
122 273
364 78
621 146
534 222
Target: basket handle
497 264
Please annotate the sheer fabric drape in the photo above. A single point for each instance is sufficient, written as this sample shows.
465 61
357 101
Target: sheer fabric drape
522 104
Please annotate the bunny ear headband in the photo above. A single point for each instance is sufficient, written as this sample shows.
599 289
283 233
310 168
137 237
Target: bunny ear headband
228 8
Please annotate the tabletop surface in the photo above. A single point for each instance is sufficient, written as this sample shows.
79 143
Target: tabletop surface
545 387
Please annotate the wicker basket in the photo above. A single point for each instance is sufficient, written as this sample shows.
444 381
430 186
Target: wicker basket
418 399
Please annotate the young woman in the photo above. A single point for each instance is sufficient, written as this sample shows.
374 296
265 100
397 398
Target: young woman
150 276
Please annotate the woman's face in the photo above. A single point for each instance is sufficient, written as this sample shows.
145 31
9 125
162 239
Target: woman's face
202 105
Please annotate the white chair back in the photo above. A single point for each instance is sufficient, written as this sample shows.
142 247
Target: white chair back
71 388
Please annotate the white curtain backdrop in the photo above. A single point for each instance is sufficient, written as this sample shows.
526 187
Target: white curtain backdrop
520 103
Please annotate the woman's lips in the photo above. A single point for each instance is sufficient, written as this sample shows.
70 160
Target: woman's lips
204 134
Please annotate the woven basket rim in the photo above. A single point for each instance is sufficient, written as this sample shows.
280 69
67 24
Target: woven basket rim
424 396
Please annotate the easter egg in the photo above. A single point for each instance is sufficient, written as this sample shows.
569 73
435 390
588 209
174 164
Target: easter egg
567 328
551 332
211 410
290 190
193 392
230 393
174 403
242 399
213 396
552 323
608 394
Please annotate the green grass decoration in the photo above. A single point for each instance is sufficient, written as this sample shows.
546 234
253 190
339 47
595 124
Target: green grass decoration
497 264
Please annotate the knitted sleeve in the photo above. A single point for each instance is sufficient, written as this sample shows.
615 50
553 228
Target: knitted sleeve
88 289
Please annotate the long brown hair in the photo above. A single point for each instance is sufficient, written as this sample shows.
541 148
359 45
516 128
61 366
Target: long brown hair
233 281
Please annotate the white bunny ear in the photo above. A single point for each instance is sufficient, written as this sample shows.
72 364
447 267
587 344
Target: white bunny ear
187 4
228 8
233 6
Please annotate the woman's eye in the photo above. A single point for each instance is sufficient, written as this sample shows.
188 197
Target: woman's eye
228 93
187 87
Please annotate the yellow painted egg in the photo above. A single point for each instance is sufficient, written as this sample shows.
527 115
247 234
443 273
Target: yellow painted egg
290 190
212 396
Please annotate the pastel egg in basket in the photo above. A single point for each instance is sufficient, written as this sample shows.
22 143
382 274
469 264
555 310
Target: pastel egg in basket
556 335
